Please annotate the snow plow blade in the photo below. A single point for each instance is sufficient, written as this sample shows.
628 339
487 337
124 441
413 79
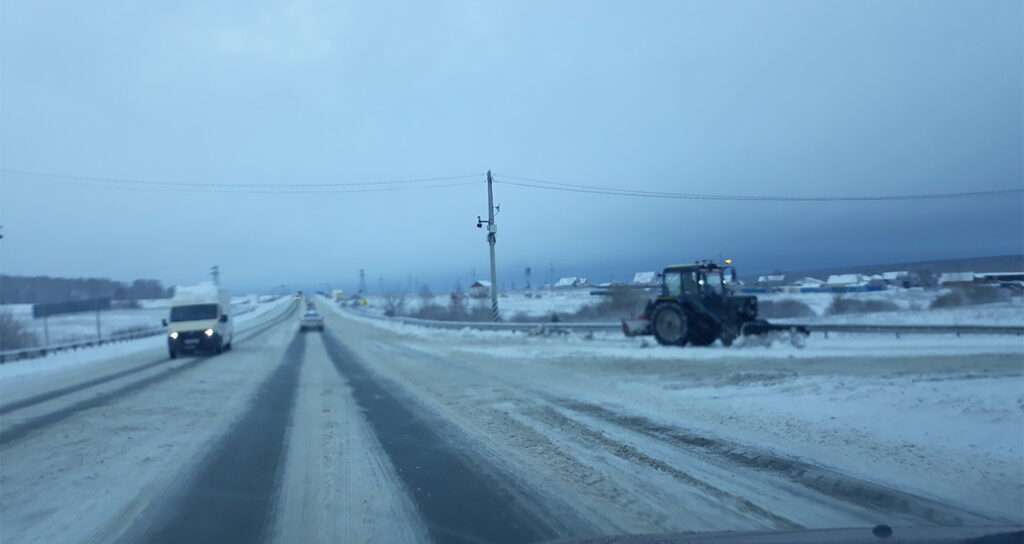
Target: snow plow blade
762 327
636 327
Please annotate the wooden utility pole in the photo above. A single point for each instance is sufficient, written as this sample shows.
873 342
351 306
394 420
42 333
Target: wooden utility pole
492 230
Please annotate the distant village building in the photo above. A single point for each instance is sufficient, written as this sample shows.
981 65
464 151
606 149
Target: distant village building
902 278
999 277
771 280
855 282
571 282
809 283
1008 280
874 280
956 279
845 280
645 279
480 289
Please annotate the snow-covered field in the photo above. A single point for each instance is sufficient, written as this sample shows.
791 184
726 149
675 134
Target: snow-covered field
913 307
71 327
541 303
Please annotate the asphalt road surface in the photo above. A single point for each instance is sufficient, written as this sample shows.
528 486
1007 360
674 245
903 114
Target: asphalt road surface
359 435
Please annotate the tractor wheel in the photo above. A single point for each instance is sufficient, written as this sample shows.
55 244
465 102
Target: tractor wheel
670 326
703 334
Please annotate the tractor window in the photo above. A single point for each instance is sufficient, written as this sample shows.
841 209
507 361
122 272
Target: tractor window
691 283
673 284
713 283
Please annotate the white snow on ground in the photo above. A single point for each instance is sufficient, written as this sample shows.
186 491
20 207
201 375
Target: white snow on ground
62 360
578 346
906 299
999 313
938 416
955 435
613 344
67 328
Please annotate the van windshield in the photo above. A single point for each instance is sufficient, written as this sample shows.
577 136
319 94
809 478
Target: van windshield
194 312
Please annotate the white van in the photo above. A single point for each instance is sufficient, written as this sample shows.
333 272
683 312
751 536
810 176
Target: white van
199 320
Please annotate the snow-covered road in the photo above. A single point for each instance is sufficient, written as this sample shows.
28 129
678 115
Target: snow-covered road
363 434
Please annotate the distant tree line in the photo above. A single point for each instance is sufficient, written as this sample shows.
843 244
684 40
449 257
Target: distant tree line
44 289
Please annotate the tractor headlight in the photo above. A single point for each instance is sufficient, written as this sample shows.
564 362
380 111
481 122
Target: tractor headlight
173 335
208 332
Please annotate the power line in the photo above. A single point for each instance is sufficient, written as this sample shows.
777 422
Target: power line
254 188
238 187
549 185
439 182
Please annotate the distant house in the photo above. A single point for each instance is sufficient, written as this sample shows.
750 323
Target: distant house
571 282
956 279
902 278
842 283
1009 280
809 283
846 280
480 289
875 280
999 277
771 280
645 279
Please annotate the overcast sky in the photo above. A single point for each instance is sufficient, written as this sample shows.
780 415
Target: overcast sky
810 98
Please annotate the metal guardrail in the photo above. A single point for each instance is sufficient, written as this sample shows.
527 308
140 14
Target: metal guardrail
825 328
1012 330
42 351
528 326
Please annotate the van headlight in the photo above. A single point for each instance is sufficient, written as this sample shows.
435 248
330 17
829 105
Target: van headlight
173 335
208 332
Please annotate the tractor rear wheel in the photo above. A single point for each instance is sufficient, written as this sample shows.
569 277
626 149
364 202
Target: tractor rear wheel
703 333
670 326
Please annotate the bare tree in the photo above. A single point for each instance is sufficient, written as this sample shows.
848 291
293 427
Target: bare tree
457 304
14 335
394 304
426 296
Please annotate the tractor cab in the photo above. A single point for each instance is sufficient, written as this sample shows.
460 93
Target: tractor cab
697 280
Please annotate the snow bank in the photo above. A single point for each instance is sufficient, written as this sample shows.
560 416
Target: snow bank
607 346
604 345
542 303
